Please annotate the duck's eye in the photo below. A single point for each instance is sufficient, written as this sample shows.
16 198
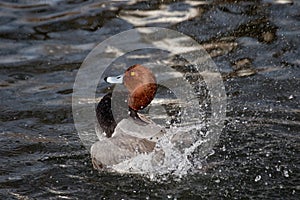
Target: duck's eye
132 73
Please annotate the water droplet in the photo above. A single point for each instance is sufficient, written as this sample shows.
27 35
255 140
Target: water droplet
277 168
257 178
286 173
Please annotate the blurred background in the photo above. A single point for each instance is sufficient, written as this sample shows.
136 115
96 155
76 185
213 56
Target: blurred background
255 44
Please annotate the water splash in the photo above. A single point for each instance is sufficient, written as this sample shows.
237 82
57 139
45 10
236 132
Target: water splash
173 155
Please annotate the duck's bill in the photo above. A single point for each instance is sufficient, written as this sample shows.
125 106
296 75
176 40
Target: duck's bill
114 79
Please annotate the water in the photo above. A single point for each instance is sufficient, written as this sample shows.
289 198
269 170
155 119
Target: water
255 44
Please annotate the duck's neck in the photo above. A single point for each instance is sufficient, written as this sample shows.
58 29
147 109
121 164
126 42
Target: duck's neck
133 113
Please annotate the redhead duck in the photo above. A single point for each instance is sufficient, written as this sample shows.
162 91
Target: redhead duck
133 135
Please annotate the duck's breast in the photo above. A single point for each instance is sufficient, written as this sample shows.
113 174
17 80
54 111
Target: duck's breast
142 96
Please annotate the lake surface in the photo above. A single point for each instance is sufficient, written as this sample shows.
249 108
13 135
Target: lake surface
255 45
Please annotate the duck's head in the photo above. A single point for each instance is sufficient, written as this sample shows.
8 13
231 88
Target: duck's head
140 83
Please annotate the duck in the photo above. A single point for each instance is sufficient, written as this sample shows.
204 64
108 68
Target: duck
135 134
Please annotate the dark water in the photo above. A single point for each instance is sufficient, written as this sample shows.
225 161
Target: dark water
255 44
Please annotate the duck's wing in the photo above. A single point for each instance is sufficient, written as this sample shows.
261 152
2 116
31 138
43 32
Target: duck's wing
105 116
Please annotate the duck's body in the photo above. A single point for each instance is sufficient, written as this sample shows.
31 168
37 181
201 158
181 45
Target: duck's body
128 140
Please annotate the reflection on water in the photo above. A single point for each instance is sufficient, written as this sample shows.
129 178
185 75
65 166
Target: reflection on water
255 45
